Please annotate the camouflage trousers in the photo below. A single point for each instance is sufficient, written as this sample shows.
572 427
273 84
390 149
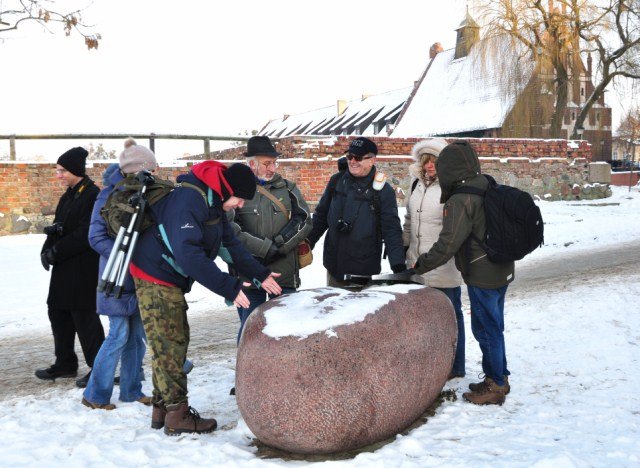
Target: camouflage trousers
164 316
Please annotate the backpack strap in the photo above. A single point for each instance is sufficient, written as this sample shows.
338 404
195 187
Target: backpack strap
208 199
273 198
414 184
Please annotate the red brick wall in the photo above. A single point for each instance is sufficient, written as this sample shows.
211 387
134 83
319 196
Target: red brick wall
31 189
624 179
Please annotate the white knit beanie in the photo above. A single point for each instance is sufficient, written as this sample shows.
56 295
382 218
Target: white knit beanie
136 158
430 146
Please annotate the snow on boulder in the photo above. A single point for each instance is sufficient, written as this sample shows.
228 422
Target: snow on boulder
328 370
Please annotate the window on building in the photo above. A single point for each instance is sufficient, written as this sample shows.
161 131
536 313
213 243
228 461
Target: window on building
597 116
581 91
573 116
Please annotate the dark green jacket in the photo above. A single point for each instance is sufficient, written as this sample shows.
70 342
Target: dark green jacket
463 214
259 224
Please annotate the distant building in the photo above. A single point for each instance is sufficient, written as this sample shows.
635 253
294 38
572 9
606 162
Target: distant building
371 115
480 88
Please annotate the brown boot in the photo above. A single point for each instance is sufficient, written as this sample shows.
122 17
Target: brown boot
157 416
477 387
490 394
181 418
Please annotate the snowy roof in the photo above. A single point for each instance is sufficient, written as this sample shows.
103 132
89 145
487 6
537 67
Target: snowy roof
466 94
367 116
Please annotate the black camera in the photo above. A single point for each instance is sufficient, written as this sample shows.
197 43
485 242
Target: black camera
344 226
145 178
54 229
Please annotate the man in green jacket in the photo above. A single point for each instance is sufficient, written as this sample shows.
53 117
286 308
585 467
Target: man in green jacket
272 224
487 282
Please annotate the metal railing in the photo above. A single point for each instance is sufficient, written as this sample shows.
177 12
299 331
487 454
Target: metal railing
152 137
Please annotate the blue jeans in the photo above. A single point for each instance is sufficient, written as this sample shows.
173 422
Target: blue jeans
256 298
454 296
487 325
124 343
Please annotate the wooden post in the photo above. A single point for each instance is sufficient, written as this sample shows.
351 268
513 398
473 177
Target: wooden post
12 148
207 148
152 142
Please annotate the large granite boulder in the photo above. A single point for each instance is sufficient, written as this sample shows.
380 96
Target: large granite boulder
328 370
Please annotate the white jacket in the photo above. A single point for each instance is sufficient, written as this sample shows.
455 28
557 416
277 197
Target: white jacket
422 226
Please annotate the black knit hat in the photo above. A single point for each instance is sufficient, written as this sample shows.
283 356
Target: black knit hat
74 160
242 181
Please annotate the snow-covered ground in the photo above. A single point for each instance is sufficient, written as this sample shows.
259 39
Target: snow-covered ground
573 349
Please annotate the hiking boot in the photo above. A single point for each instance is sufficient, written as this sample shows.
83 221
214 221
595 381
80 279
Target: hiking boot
107 406
182 418
145 400
490 394
232 391
476 387
53 373
454 376
157 416
83 381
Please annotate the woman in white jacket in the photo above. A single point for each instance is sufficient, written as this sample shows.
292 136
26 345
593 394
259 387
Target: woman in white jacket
422 225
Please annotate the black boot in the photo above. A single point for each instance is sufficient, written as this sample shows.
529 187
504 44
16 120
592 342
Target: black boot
83 381
53 373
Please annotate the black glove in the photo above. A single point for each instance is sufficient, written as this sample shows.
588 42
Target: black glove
399 268
55 229
47 258
43 260
272 255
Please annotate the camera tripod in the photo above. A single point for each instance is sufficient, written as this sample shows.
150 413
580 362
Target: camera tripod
115 272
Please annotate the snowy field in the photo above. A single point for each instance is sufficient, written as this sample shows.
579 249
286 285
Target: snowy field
573 349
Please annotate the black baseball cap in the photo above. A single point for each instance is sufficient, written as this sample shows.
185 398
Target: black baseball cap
362 146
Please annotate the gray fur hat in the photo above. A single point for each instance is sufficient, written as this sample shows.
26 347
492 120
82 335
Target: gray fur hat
429 146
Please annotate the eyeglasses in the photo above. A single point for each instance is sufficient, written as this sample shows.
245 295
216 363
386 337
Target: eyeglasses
269 164
358 157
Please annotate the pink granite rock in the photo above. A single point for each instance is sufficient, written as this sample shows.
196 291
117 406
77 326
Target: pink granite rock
347 385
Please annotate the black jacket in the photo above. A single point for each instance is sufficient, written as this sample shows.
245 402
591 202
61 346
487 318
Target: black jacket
74 276
351 206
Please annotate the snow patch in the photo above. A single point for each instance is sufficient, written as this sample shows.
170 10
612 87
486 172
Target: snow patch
322 310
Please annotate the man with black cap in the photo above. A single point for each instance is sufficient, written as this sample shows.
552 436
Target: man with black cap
272 224
74 277
358 211
191 231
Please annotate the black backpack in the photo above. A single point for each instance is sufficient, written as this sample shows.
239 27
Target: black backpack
514 222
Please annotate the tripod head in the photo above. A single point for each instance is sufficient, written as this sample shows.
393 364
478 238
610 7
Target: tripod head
145 178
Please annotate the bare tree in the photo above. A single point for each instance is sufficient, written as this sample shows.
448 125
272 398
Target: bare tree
557 35
629 132
14 13
613 34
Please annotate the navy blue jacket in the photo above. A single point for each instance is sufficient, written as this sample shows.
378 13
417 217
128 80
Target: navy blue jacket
358 251
100 241
190 233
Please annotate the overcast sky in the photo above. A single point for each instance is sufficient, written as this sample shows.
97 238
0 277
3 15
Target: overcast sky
215 68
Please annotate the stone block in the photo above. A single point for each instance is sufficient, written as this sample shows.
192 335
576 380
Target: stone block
600 172
19 224
348 384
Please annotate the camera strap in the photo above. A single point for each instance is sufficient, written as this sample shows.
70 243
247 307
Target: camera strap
275 201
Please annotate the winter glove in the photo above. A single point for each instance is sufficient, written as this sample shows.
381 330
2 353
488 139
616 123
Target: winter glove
272 255
47 258
399 268
43 260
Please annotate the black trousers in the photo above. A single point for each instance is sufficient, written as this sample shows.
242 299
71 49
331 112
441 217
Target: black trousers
65 324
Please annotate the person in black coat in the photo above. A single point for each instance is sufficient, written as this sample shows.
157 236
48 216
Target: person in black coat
358 211
74 275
